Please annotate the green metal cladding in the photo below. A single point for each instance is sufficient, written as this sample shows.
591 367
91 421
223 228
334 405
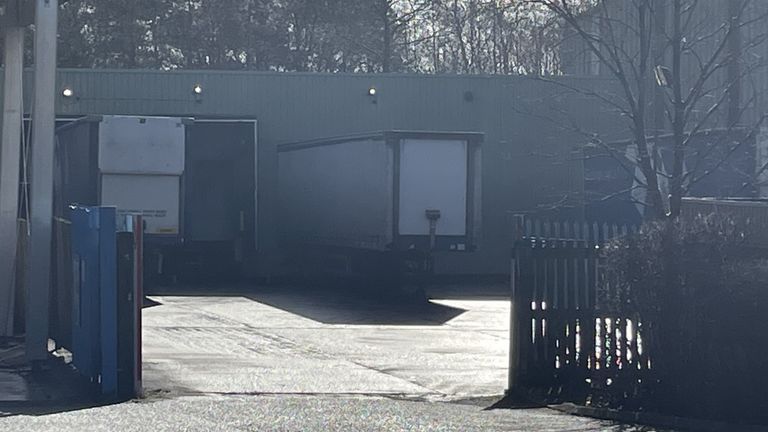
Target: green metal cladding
529 160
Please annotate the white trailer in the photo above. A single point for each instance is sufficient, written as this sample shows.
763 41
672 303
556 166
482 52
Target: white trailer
361 199
141 161
194 181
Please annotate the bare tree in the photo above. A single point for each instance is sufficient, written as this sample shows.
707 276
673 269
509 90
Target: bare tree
679 74
492 37
680 69
396 18
428 36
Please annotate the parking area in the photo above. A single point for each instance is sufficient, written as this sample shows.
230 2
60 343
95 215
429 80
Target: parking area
298 342
298 360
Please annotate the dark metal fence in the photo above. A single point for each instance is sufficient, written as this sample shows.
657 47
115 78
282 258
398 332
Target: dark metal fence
578 333
563 338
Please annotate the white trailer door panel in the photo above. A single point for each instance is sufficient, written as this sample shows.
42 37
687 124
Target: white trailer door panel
433 176
141 145
155 197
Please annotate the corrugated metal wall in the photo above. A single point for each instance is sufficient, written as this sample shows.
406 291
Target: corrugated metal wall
529 158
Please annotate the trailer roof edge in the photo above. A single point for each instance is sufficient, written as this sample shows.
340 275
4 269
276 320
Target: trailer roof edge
472 137
91 118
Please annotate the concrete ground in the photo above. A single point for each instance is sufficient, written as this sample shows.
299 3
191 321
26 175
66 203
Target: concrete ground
281 343
278 361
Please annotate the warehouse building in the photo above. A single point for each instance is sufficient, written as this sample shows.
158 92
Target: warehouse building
531 162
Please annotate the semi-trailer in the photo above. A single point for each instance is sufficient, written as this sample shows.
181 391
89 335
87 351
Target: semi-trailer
376 206
193 181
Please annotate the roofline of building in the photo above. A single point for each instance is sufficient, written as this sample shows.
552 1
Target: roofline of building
321 74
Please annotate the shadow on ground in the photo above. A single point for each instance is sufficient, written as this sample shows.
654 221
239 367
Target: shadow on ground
48 408
42 388
341 308
512 402
518 402
345 305
521 401
148 303
470 288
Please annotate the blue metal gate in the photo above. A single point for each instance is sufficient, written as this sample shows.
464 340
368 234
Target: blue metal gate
106 302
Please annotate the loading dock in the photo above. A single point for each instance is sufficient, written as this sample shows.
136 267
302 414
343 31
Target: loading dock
193 180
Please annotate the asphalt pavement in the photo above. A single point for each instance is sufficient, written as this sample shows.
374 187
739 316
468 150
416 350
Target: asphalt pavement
308 361
300 414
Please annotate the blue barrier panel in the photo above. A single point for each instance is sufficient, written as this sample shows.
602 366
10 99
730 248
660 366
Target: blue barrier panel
94 256
85 298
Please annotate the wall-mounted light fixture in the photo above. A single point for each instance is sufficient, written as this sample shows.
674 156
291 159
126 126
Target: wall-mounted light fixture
373 94
67 92
197 92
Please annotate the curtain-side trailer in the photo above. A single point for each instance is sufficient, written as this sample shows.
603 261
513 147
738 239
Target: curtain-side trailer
193 181
377 205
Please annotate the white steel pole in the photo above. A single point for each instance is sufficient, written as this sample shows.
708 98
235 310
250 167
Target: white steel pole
9 173
41 202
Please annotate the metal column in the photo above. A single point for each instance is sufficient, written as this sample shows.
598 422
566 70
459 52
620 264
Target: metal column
9 173
41 204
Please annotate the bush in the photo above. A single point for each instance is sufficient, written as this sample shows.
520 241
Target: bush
701 295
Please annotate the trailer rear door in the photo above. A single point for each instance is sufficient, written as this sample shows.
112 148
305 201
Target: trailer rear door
155 197
433 176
